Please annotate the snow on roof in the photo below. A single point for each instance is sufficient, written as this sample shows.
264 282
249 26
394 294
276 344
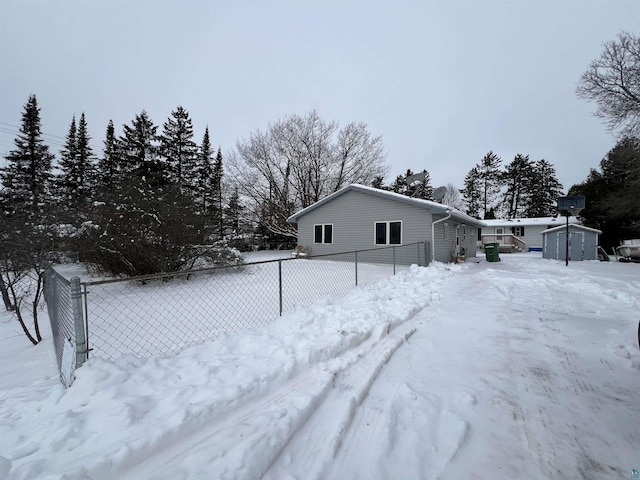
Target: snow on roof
560 227
433 206
542 221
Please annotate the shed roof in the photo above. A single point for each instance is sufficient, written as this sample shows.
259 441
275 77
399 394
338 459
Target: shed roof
573 227
529 222
376 192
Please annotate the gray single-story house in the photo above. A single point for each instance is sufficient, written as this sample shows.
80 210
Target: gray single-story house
583 243
358 217
523 234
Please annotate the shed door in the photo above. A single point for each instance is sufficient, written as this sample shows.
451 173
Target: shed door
575 246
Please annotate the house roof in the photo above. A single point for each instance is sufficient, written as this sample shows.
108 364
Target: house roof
529 222
573 226
434 207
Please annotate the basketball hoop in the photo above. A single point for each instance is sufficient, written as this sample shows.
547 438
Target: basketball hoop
570 206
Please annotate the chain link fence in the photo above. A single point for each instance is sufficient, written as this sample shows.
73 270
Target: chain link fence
163 314
66 314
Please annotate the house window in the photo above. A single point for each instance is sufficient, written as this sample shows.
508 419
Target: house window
518 231
388 233
323 233
499 231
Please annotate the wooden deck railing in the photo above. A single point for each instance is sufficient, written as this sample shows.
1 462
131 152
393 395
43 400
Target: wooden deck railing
508 242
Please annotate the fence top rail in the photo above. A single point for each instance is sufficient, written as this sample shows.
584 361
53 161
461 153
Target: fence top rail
58 275
157 276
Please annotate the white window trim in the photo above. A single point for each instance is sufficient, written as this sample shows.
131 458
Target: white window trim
333 232
388 223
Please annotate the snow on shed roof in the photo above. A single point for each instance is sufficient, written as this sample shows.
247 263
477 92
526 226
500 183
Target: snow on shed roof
573 226
542 221
433 206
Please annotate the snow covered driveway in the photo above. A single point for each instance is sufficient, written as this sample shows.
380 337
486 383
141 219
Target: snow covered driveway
524 369
521 369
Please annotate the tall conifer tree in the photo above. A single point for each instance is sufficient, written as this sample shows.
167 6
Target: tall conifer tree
489 177
108 171
518 177
86 165
66 181
139 151
218 173
179 150
26 178
472 193
545 190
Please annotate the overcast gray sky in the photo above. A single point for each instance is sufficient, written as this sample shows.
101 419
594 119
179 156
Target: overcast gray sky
442 82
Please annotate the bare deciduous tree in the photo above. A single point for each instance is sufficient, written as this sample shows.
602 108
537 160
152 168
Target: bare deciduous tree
452 197
298 161
613 82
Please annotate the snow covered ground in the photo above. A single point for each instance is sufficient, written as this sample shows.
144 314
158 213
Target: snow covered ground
518 369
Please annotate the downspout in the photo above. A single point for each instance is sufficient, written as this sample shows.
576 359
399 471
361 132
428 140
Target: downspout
433 233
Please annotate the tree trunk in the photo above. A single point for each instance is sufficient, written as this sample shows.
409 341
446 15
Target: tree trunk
26 331
5 295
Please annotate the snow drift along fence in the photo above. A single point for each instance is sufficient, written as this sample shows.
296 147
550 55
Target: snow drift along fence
163 314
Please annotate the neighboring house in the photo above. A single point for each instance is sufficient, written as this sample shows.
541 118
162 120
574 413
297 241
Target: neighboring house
583 243
358 217
520 234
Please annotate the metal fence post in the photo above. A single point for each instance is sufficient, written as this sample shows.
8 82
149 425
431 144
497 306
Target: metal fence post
86 318
356 268
280 283
78 322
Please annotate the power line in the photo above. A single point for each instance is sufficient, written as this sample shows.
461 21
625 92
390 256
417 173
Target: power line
17 131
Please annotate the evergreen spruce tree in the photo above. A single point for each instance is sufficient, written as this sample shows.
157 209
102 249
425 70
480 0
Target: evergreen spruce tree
472 193
108 171
203 180
67 180
233 213
179 150
544 191
217 190
518 177
139 152
86 163
26 178
76 165
613 194
399 185
378 182
489 177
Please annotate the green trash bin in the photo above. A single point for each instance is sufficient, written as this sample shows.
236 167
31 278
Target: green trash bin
492 252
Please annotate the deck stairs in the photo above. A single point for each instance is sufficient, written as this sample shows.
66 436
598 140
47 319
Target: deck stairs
508 243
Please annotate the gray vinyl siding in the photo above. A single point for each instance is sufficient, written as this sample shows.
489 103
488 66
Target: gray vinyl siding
354 215
468 236
446 247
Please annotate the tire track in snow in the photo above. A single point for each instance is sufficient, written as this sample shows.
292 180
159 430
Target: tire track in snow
317 442
257 435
